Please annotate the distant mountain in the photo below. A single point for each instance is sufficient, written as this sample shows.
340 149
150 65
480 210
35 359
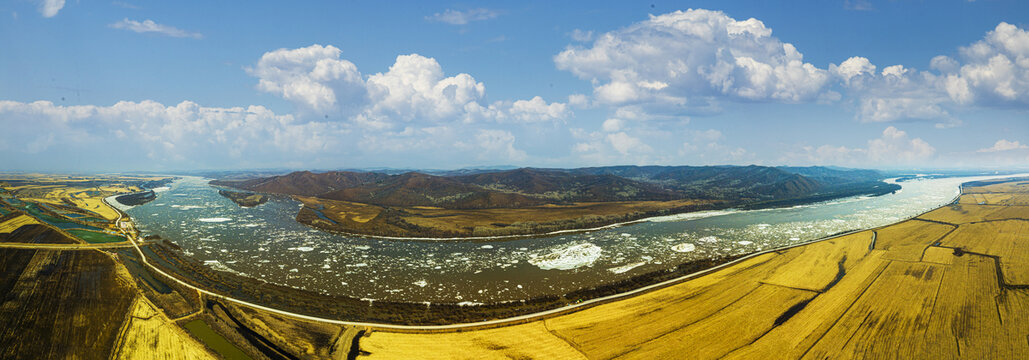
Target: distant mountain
417 189
834 175
526 187
304 182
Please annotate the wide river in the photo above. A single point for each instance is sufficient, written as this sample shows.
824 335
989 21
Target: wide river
267 243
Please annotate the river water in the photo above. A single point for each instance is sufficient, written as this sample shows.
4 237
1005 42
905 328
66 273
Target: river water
267 243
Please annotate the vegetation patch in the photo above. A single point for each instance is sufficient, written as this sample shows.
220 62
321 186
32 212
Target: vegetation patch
94 237
213 340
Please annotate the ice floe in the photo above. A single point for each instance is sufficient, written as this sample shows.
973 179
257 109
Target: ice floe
708 239
690 216
684 247
567 257
214 219
624 268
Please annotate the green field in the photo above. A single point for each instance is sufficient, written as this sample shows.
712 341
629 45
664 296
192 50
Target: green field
216 342
95 237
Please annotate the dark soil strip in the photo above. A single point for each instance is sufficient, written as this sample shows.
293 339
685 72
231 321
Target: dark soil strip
840 272
355 346
793 310
260 342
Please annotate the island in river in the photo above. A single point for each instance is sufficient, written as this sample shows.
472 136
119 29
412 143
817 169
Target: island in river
531 201
244 199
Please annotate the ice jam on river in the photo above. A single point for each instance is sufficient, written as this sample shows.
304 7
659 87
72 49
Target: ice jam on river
267 243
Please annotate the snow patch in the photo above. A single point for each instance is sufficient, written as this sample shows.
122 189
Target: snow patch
567 257
684 247
624 268
708 239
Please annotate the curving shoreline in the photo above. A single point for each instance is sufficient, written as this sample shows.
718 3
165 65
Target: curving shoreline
543 314
714 209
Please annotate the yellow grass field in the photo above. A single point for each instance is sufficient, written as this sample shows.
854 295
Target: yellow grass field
150 335
80 192
15 223
911 296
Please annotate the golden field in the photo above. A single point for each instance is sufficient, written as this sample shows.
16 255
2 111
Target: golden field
911 296
950 283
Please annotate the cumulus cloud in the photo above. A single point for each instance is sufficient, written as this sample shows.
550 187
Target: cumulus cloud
414 89
149 26
995 70
581 35
992 72
851 68
626 144
894 147
498 144
688 62
313 77
892 109
49 8
173 133
1004 145
686 59
458 17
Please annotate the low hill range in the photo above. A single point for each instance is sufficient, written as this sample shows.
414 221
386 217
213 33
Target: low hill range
527 187
531 201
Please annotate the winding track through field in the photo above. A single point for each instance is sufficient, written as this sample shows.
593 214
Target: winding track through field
489 323
116 245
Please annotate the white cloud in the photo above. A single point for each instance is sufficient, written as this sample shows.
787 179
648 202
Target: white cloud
944 64
581 36
498 144
458 17
688 62
626 144
995 69
313 78
895 70
414 89
853 67
186 132
991 72
49 8
894 146
536 109
612 125
579 100
149 26
683 60
893 109
1004 145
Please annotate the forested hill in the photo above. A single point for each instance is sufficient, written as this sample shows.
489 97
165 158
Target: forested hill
528 187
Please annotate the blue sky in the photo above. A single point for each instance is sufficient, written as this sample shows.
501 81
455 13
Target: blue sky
140 85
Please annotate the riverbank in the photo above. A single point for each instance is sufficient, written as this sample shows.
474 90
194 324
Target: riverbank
806 301
401 313
370 221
